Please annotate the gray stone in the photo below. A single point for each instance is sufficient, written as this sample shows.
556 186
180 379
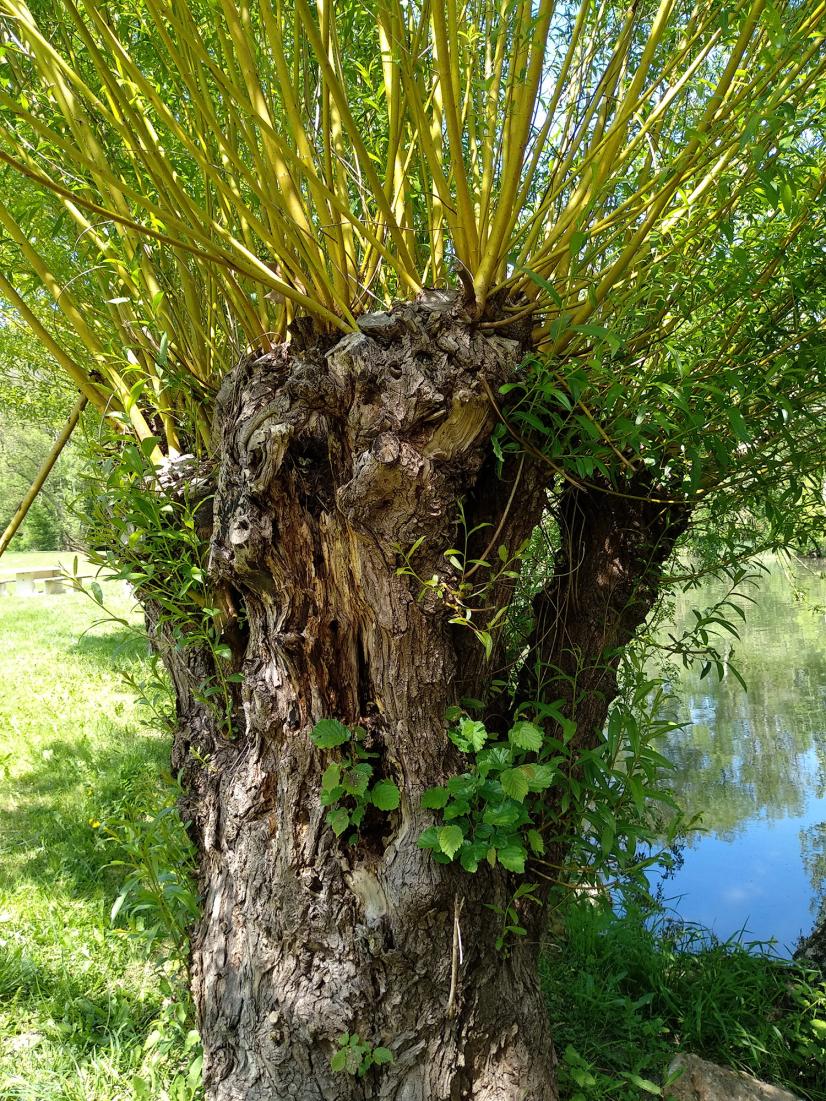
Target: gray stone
702 1081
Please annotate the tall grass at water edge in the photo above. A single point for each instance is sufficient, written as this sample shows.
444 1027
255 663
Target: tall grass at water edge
628 991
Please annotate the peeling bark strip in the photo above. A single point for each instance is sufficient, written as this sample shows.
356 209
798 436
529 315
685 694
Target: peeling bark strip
327 461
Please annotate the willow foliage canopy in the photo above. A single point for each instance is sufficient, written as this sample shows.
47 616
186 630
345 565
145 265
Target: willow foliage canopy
214 171
421 332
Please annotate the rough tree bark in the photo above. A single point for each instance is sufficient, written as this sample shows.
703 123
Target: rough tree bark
329 460
606 577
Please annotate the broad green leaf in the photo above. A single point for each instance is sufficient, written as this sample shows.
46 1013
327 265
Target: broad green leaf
330 777
435 798
356 782
450 838
525 735
471 855
473 732
339 1060
328 733
503 814
385 795
462 786
494 759
513 858
537 845
382 1055
456 808
331 795
539 777
339 820
515 784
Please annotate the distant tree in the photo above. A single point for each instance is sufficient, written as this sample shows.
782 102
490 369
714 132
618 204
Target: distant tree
419 331
34 403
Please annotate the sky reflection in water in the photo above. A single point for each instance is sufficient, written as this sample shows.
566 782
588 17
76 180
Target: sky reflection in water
755 764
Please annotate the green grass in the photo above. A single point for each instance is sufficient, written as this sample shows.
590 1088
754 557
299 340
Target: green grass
626 994
79 999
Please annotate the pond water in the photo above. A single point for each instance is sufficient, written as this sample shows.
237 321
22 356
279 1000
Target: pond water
754 763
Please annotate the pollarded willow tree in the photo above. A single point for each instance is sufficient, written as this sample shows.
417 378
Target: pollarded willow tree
375 298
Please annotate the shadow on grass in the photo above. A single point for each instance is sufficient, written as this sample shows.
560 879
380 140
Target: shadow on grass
48 833
85 1014
116 648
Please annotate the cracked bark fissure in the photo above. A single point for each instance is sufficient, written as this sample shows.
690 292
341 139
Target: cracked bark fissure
329 461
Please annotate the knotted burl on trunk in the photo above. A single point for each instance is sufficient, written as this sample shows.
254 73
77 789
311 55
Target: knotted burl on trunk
330 460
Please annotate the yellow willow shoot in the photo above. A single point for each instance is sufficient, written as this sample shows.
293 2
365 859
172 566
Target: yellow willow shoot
233 168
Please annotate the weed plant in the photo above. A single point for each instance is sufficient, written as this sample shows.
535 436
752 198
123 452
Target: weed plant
627 991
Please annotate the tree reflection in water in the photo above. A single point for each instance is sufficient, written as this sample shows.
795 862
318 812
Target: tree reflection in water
756 761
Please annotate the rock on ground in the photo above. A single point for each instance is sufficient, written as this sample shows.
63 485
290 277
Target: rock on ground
702 1081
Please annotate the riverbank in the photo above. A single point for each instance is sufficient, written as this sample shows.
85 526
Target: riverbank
627 992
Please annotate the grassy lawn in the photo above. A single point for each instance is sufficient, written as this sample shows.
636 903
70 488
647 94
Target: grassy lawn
79 999
32 560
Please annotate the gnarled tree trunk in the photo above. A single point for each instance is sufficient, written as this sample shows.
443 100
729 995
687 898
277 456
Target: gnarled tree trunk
330 461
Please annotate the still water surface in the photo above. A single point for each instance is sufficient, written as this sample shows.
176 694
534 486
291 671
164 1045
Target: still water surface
755 764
